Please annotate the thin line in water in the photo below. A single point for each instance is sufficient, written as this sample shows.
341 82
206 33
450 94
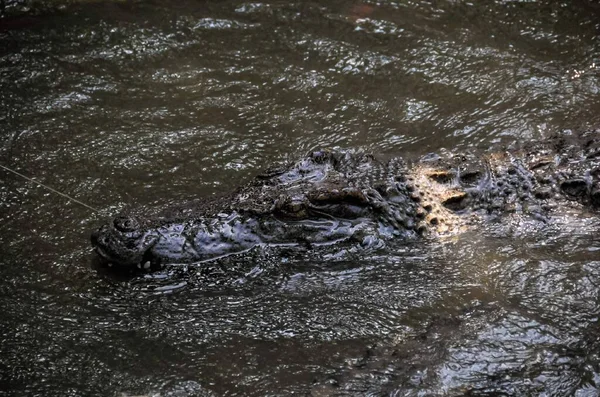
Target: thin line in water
49 188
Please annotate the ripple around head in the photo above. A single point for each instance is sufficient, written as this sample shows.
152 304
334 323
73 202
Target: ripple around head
144 103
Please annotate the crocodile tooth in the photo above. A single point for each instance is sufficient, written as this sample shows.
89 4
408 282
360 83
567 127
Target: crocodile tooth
147 265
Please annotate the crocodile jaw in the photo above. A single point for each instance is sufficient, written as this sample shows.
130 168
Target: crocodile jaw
122 250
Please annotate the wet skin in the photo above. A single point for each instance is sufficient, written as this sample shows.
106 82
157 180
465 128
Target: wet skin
341 195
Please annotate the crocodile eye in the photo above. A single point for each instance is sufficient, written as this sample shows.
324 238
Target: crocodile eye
126 224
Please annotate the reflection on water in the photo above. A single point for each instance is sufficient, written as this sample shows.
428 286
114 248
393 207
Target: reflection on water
147 103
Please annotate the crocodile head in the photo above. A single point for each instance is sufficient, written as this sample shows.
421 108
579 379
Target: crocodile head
124 242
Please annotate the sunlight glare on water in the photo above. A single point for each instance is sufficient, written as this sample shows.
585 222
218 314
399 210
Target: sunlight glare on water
149 103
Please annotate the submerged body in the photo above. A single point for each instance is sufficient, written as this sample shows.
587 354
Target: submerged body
338 195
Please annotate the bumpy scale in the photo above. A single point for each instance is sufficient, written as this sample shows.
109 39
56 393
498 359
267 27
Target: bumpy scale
331 196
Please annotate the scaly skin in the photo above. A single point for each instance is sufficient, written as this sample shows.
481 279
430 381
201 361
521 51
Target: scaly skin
336 195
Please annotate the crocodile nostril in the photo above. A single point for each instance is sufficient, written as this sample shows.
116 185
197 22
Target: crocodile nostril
125 224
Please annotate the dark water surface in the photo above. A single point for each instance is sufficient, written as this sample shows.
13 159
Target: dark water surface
147 103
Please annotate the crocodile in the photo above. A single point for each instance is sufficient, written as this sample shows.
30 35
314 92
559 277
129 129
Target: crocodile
343 195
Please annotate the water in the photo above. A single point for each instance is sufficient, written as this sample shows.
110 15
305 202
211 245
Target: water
148 103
